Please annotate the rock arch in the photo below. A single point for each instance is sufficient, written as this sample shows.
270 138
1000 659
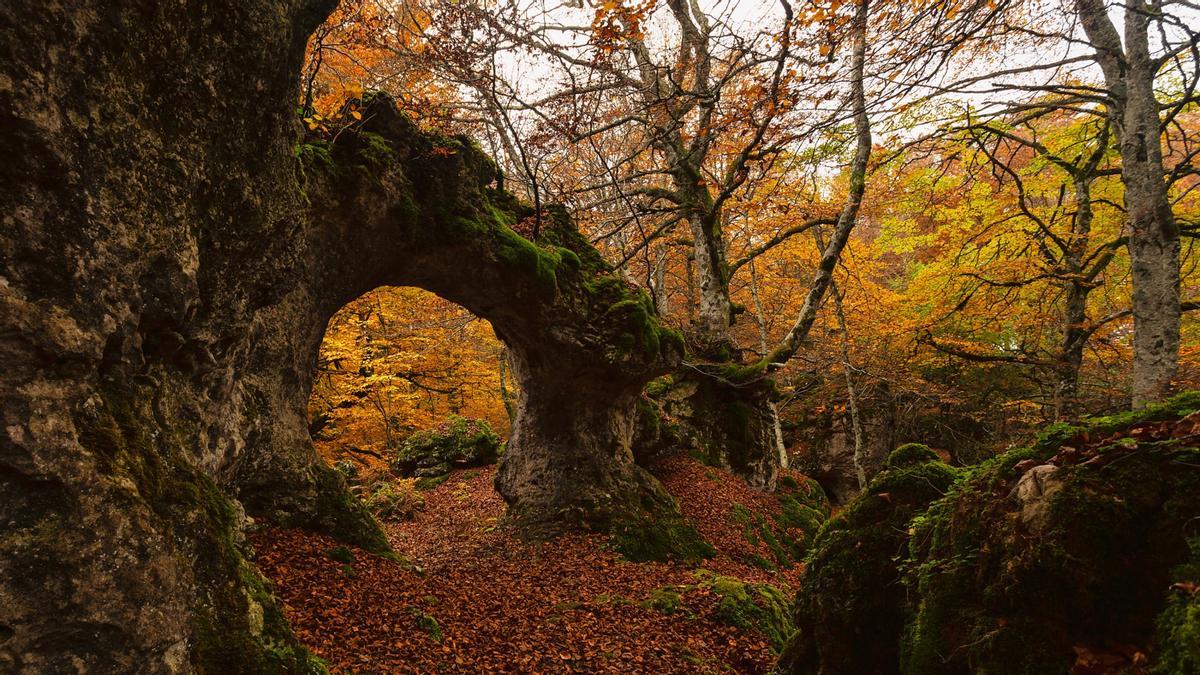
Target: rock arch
394 206
166 267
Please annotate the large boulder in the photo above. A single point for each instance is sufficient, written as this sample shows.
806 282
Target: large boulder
850 610
459 443
1077 552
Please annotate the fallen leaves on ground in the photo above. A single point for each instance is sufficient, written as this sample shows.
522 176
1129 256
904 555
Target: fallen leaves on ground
706 496
488 601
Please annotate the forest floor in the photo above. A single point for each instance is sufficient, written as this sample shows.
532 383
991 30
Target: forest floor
485 600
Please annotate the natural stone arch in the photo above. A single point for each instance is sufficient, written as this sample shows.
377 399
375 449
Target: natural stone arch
393 206
169 255
162 292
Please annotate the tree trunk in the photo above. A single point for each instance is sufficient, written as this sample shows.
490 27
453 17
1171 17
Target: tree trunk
860 471
1075 336
1129 73
761 319
1153 245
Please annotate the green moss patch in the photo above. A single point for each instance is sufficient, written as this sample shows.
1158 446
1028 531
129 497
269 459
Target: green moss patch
660 537
667 599
459 443
1016 584
759 607
910 454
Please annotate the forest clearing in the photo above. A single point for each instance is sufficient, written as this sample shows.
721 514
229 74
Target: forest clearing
827 337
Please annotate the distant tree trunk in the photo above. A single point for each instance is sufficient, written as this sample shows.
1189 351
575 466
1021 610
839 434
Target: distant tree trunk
856 425
761 318
658 285
1129 74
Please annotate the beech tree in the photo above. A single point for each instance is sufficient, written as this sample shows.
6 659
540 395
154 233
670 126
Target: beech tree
1131 69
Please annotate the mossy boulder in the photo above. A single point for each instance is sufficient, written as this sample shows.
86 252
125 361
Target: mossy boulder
910 454
850 612
804 490
1079 551
457 444
803 510
1050 555
721 413
760 607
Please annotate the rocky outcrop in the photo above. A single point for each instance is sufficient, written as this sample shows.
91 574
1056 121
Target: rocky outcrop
826 446
170 251
1076 554
147 214
457 444
394 206
721 414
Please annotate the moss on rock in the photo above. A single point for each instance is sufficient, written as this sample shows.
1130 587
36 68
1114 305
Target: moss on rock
1029 559
658 535
760 607
803 510
1082 543
910 454
237 625
852 595
722 422
459 443
342 516
1177 634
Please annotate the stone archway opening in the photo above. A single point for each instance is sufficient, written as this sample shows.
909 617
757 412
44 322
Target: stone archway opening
400 361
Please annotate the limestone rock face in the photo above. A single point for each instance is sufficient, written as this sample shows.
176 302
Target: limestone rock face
146 215
1035 492
828 449
726 423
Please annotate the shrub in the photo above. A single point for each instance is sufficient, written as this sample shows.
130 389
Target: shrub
395 500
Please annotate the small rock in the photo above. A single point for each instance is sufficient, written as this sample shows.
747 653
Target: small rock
1034 492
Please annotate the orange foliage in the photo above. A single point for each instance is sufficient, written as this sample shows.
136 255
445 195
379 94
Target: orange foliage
399 360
